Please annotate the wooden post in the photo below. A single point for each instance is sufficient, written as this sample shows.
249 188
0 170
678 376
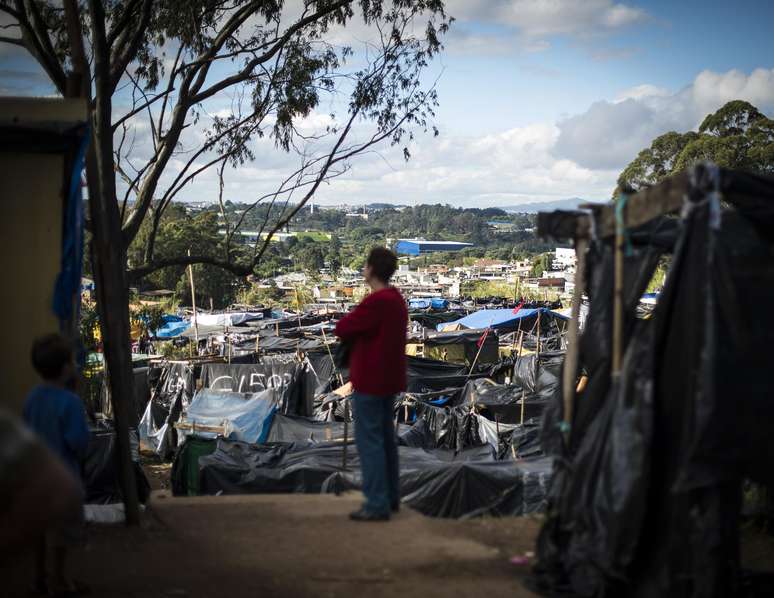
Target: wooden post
480 347
523 402
571 357
618 298
538 333
193 303
333 361
346 430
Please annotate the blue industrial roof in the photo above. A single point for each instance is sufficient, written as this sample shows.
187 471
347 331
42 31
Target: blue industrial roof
417 246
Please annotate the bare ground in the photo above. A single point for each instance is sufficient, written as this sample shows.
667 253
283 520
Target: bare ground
295 545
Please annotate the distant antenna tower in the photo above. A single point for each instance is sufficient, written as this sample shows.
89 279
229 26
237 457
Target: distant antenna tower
311 207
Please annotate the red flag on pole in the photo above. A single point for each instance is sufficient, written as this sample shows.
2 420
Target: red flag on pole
482 338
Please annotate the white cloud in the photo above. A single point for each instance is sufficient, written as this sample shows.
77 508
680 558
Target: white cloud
610 134
490 170
539 18
641 91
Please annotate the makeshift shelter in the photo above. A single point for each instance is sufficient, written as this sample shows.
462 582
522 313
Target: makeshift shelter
171 395
438 483
431 319
652 456
508 320
436 303
464 347
233 415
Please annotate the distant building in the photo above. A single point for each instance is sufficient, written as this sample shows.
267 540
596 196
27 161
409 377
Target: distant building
502 227
250 237
418 246
435 269
564 257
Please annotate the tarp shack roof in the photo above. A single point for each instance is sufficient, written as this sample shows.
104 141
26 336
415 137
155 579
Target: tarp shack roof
417 246
504 319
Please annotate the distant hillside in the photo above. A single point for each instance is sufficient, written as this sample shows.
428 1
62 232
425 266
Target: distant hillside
547 206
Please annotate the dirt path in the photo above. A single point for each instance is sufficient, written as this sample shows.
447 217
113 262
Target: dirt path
297 545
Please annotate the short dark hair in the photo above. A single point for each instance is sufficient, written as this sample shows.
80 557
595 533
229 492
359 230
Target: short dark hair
383 263
50 354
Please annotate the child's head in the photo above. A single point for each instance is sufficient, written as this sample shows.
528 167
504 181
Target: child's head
52 358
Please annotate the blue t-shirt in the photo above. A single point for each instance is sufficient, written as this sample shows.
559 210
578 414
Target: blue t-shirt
58 417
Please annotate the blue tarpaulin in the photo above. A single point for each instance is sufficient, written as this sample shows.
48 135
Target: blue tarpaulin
172 329
439 303
243 416
434 303
502 319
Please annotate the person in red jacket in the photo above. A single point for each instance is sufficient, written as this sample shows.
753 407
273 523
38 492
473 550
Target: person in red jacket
376 330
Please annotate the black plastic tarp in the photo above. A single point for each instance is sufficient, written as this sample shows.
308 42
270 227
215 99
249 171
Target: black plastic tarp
431 319
171 394
466 347
503 403
435 482
646 497
284 373
429 375
101 477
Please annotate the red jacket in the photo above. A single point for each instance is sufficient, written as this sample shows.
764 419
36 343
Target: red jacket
377 330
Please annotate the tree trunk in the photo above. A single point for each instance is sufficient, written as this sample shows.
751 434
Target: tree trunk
110 263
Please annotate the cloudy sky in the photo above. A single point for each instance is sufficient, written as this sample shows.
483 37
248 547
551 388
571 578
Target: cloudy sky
539 100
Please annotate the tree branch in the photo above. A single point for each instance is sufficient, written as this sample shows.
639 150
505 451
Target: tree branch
245 73
126 52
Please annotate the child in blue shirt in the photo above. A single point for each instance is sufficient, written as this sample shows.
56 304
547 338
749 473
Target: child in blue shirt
57 415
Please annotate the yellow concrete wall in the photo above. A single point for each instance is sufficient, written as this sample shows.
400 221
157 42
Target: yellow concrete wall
31 206
30 241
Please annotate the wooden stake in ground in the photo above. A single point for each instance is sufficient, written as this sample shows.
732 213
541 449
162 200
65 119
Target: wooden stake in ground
482 340
346 432
193 303
333 361
618 296
523 403
571 357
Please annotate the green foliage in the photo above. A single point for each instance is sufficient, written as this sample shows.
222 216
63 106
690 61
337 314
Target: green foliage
540 264
270 296
737 136
88 326
177 234
169 350
485 288
150 317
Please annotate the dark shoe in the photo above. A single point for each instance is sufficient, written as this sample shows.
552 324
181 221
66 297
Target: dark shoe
363 515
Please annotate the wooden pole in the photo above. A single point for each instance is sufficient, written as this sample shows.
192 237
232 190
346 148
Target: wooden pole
346 431
333 361
193 303
618 299
538 333
571 357
480 347
523 402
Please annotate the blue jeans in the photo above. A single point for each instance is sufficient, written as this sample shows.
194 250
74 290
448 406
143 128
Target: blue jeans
378 450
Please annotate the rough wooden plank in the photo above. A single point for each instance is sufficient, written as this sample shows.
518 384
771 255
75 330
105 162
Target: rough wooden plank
647 205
